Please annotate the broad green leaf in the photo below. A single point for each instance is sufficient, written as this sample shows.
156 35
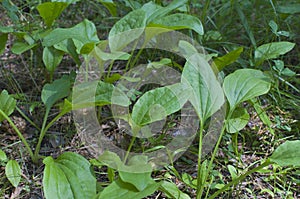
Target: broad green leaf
289 8
238 120
150 8
207 95
69 47
3 40
162 11
287 154
3 156
69 176
228 59
115 55
120 189
110 6
66 1
232 171
137 172
172 191
156 104
13 172
55 91
6 29
110 159
83 33
52 58
127 29
7 104
163 62
49 11
245 84
180 21
20 47
272 50
97 93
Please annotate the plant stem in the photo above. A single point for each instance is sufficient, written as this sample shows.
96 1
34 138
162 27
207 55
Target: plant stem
200 185
42 134
129 148
241 177
27 118
18 133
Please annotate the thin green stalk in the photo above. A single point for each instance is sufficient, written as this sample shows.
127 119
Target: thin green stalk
27 118
241 177
42 134
200 186
215 150
18 133
129 148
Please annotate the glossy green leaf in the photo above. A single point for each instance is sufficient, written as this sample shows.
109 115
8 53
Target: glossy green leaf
110 6
50 11
207 95
120 189
111 160
69 47
272 50
56 90
233 172
69 176
7 104
156 13
245 84
6 29
180 21
127 29
287 154
3 40
52 58
3 156
66 1
137 172
289 8
172 191
20 47
83 33
156 104
13 172
228 59
238 120
115 55
98 93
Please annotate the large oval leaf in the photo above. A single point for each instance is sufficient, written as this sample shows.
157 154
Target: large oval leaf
129 28
7 104
156 104
97 93
245 84
55 91
52 58
49 11
83 33
180 21
207 95
238 120
287 154
68 177
13 172
272 50
120 189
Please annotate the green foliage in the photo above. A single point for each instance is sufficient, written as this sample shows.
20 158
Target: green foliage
13 172
287 154
172 191
55 91
228 59
245 84
7 104
3 156
238 120
207 95
69 176
50 11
